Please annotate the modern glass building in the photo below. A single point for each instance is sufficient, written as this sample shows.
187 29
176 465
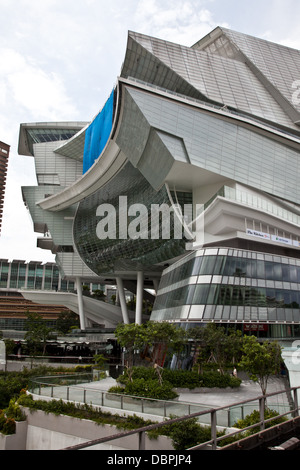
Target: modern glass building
186 183
15 278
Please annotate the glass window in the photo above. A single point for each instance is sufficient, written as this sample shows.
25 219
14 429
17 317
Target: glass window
260 269
201 293
4 268
277 272
30 281
213 294
207 266
226 298
3 281
197 266
190 294
219 265
237 296
289 273
269 268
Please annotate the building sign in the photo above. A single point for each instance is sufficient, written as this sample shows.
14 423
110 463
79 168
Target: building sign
257 233
255 327
287 241
2 353
274 238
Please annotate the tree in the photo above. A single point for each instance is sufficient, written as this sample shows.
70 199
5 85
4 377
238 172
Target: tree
166 334
135 337
214 344
234 345
37 332
100 361
218 343
98 294
9 346
66 321
132 337
260 360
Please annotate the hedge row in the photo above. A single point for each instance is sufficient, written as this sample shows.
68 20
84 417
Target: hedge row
183 378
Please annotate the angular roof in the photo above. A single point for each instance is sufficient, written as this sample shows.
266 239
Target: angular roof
224 68
278 65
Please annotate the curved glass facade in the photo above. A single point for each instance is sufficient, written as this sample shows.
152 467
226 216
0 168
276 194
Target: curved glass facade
108 255
232 286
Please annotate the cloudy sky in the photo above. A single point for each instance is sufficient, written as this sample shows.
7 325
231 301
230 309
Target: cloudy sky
61 58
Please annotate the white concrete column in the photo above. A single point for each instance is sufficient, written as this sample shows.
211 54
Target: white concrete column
80 303
43 278
122 299
291 358
9 274
118 297
59 282
139 297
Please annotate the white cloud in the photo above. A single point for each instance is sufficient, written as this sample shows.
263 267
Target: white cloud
42 94
283 18
183 22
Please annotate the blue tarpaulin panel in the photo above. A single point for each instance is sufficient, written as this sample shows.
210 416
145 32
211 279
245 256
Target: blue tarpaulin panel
97 134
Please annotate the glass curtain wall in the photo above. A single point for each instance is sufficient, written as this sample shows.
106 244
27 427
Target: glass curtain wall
231 287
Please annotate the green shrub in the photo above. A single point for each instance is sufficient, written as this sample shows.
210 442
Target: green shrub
215 379
81 368
187 434
59 407
117 389
2 420
254 418
147 388
182 378
146 373
7 425
14 411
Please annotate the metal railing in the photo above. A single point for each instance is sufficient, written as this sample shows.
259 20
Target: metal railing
215 440
67 387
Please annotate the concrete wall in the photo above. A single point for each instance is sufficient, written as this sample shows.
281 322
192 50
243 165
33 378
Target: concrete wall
44 431
15 441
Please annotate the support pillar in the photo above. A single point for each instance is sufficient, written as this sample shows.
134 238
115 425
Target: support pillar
291 358
122 300
139 297
80 303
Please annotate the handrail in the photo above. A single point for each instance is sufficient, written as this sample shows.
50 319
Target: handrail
214 440
293 411
142 400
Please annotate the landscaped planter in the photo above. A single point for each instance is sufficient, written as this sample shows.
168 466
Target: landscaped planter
15 441
51 432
